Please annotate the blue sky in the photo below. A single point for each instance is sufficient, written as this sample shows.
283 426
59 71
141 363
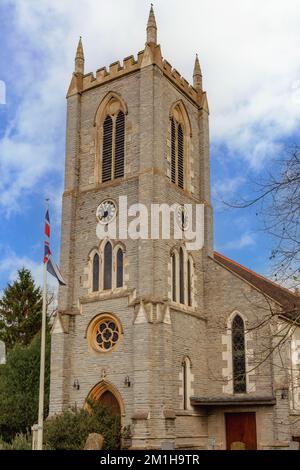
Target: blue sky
249 54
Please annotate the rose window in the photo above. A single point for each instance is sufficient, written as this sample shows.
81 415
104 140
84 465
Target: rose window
106 334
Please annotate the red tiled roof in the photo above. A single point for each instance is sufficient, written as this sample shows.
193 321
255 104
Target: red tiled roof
287 299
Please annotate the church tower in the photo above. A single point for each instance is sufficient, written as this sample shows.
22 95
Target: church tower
130 328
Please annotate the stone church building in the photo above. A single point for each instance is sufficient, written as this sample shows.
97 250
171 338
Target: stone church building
191 349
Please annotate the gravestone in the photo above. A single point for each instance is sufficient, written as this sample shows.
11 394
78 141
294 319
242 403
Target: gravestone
94 442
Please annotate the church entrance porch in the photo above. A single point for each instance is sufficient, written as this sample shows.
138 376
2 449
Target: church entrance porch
238 419
240 431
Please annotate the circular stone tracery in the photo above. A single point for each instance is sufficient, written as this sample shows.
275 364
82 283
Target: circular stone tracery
106 334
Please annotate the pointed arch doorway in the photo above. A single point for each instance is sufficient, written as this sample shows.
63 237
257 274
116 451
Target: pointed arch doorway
107 395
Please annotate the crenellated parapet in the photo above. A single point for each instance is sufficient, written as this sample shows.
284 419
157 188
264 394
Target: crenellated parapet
114 71
151 55
174 76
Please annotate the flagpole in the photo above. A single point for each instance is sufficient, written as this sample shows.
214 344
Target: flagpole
42 361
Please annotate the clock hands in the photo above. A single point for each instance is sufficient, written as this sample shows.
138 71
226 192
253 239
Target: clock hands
104 215
106 212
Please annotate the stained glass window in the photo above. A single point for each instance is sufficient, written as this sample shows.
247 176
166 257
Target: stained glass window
106 333
184 380
189 283
96 273
238 355
181 276
119 268
173 277
107 284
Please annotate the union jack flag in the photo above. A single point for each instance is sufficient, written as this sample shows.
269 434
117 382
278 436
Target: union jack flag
47 252
52 268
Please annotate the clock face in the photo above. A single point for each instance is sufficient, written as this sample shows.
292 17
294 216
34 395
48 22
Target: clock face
106 211
182 217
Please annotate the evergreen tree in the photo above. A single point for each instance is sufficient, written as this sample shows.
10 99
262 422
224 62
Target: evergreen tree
19 388
20 310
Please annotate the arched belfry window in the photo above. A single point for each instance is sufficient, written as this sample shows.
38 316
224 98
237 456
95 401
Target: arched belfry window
173 151
119 145
180 156
180 131
238 355
107 149
110 121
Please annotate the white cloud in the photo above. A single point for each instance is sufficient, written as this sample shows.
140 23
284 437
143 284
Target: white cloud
10 263
244 241
249 53
224 190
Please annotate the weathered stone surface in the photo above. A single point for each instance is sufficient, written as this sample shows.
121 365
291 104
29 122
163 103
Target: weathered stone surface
2 353
94 442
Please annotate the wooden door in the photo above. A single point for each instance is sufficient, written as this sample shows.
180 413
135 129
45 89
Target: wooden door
240 431
108 400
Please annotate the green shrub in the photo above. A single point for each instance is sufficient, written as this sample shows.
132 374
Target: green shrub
4 445
20 442
70 430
